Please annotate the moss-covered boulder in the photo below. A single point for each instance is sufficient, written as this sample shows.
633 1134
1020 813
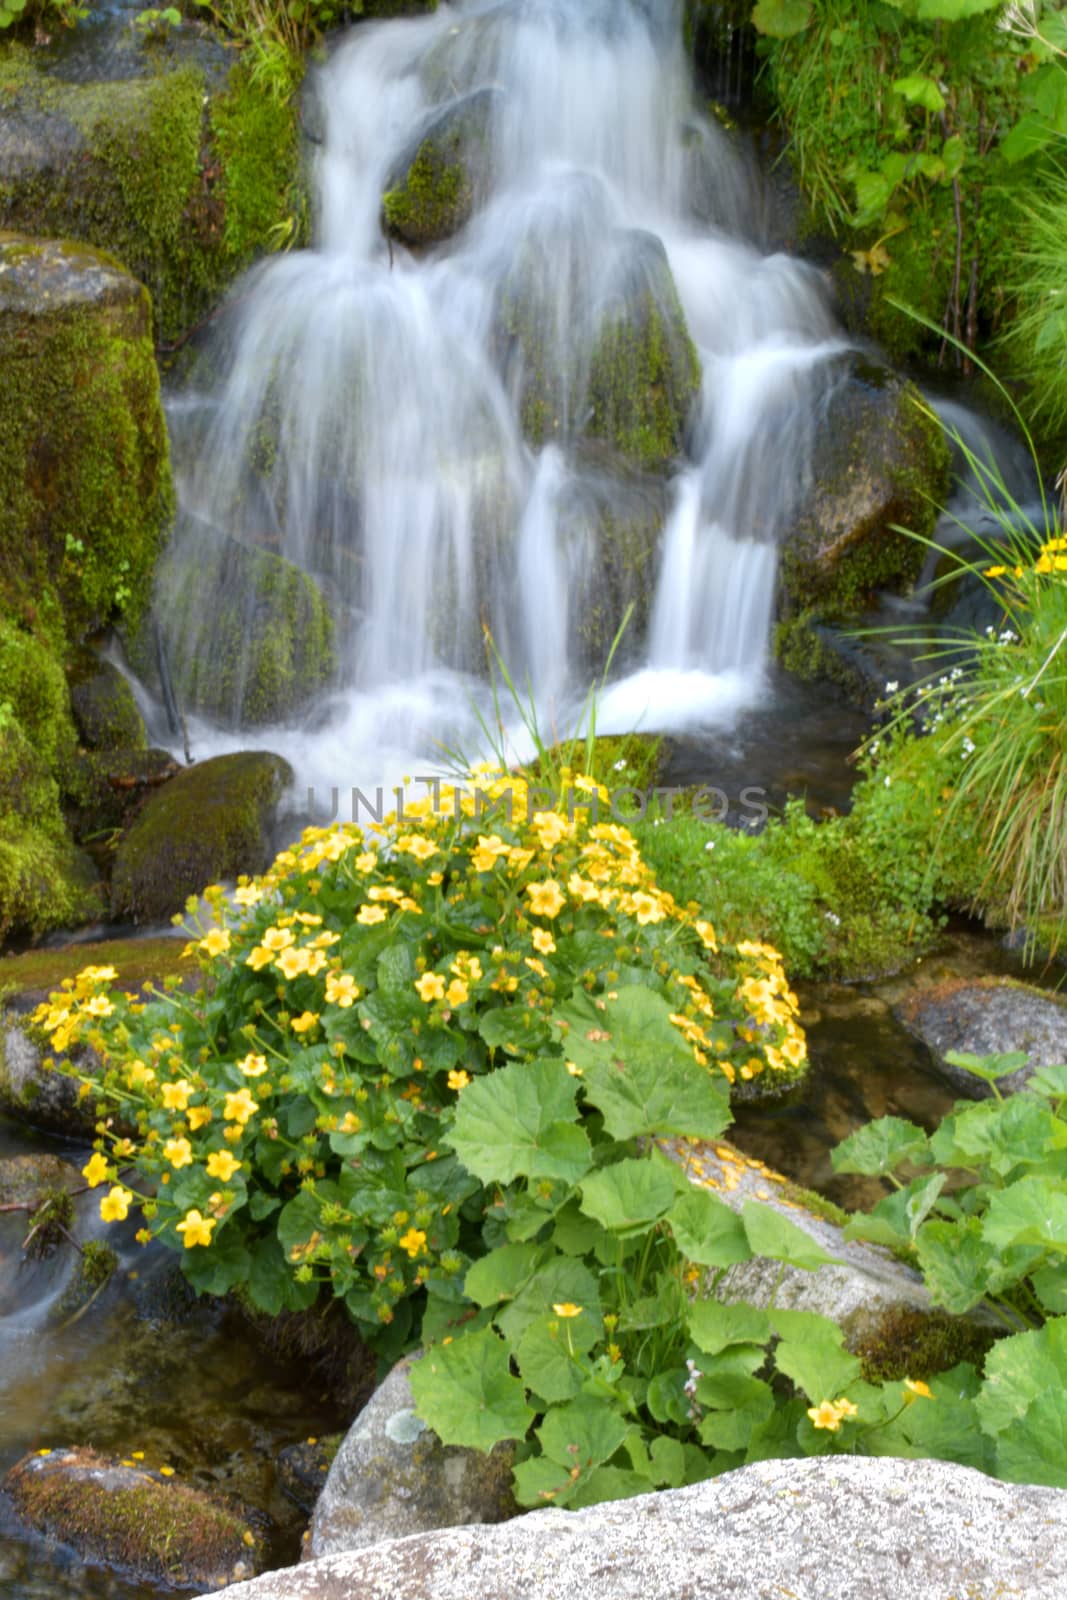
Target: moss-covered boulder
85 490
181 167
105 711
247 637
393 1477
881 463
116 1514
103 788
45 881
986 1017
211 822
436 184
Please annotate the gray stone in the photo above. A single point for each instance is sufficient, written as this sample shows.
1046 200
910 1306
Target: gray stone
830 1528
993 1016
37 1094
392 1477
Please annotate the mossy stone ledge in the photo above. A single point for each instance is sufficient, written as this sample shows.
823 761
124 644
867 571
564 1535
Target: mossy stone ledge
211 822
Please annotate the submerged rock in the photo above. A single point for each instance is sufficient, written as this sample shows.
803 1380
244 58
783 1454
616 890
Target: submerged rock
993 1016
302 1468
116 1514
213 821
181 167
393 1477
248 637
835 1528
880 462
435 186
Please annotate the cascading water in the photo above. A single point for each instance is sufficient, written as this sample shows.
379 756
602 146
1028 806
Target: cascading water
439 439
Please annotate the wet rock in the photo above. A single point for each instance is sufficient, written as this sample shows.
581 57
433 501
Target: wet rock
302 1468
213 821
393 1477
28 1179
116 1514
248 638
166 157
103 788
434 188
105 711
993 1016
34 1093
835 1528
879 461
866 1285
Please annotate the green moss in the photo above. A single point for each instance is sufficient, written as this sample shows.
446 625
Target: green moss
137 961
104 707
644 379
185 185
209 823
800 649
44 881
919 1344
433 201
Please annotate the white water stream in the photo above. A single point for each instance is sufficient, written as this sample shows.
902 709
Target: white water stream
398 474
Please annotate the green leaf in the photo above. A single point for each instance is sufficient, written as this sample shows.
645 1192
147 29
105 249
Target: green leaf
584 1433
713 1326
629 1196
820 1365
727 1379
1032 1211
219 1268
502 1273
954 1262
561 1281
781 19
1050 1081
666 1398
606 1483
954 10
733 1429
513 1030
466 1393
545 1354
918 90
521 1122
897 1219
880 1147
773 1235
668 1462
638 1070
1034 1449
539 1482
1017 1370
1050 1286
988 1068
706 1231
271 1284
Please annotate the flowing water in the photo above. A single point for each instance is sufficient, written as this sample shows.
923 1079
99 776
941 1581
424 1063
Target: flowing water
360 411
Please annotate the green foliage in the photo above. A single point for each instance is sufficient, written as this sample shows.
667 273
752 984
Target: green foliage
43 15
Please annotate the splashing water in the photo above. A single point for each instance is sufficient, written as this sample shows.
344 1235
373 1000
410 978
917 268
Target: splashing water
374 418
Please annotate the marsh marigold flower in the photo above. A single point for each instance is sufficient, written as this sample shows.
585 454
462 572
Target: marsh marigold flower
341 990
221 1164
546 899
458 1079
115 1205
195 1229
567 1308
95 1170
179 1152
215 943
253 1066
414 1242
175 1096
914 1388
240 1107
430 987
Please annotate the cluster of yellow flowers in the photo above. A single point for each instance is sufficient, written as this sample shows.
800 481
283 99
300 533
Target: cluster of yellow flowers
1052 557
501 902
829 1414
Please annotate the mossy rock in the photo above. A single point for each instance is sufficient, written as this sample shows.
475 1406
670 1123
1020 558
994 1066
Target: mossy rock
210 823
103 788
434 187
118 1515
248 637
881 463
45 882
105 710
85 488
985 1017
183 173
302 1468
27 1180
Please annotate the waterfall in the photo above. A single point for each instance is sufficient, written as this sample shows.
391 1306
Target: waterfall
422 431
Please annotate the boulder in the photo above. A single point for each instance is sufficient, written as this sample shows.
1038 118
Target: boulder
116 1514
105 711
183 168
40 1095
393 1477
302 1468
27 1180
830 1528
990 1016
45 881
880 461
85 490
248 638
436 184
213 821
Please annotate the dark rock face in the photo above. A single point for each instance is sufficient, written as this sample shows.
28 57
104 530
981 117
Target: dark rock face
211 822
116 1514
991 1017
880 462
435 186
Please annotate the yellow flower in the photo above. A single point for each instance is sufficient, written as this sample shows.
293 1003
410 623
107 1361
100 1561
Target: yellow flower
259 957
240 1107
413 1242
825 1415
291 963
98 1006
179 1152
196 1229
413 844
546 899
175 1096
430 987
198 1117
458 994
278 939
323 941
220 1164
550 828
369 915
349 1123
567 1309
536 966
644 907
95 1170
115 1204
248 895
707 935
574 1069
490 848
216 942
96 975
845 1408
253 1066
303 1023
543 941
166 1472
366 862
341 990
914 1387
458 1079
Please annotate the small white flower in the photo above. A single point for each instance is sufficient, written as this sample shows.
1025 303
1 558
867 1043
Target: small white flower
831 916
710 845
620 766
891 688
887 780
